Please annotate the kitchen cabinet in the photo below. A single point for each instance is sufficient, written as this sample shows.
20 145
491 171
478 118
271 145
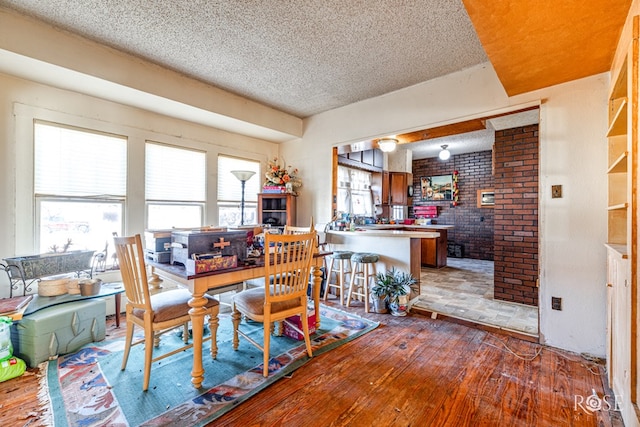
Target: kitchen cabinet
434 251
276 209
391 188
618 326
399 188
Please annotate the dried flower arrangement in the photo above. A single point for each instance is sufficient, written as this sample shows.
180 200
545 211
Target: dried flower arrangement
281 175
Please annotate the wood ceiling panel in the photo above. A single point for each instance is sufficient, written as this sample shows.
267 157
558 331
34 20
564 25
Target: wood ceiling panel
535 44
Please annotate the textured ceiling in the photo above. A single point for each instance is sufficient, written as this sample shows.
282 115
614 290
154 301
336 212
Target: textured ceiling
301 57
304 57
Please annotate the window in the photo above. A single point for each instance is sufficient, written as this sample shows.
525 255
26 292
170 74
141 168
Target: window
354 191
79 187
174 199
230 191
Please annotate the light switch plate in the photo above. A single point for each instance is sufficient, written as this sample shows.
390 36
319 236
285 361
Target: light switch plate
556 191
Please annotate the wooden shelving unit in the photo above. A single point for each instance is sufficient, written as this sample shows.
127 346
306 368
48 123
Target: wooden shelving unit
618 160
277 210
622 218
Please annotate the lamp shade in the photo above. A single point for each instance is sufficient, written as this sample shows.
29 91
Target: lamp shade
387 144
243 175
444 154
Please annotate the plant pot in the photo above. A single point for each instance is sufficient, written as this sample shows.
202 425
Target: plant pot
399 308
379 305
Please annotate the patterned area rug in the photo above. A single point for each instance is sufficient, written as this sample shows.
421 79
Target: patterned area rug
87 388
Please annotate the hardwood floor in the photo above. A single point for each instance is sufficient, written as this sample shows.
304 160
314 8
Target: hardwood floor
411 371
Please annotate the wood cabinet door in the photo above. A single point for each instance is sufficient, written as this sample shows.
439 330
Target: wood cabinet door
429 252
398 188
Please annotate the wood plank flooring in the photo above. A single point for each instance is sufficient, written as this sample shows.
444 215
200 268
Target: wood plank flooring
411 371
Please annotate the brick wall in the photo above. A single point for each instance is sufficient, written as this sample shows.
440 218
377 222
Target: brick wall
507 233
473 226
516 215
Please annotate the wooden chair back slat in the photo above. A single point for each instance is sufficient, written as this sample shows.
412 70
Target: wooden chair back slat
133 270
289 273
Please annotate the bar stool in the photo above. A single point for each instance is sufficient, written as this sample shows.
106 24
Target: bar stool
363 266
340 264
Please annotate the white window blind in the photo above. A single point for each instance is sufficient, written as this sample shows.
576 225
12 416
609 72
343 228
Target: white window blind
78 163
230 188
174 174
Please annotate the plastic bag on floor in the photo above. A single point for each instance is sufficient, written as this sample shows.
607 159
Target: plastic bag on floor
11 368
6 349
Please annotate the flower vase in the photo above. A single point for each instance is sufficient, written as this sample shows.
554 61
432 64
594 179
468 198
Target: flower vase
289 187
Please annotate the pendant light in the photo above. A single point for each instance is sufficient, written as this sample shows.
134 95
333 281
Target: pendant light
444 154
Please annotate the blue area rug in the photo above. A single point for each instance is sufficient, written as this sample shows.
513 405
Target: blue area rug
88 388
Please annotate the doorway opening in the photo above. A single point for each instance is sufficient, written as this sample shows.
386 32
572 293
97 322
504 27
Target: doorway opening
492 271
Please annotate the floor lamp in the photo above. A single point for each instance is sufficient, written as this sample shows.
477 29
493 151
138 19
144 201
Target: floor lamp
243 176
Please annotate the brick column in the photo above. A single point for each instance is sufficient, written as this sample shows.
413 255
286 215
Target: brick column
516 215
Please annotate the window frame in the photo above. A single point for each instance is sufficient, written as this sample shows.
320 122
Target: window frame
38 199
167 202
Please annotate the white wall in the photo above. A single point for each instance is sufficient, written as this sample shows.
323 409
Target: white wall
572 153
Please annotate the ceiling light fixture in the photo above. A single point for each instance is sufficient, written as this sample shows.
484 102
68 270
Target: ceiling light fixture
387 144
444 154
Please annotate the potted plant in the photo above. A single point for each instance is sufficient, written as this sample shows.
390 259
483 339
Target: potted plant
392 287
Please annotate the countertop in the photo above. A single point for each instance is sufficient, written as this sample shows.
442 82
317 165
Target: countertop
369 232
405 226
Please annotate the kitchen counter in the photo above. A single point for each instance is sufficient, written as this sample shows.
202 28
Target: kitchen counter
406 226
397 248
366 231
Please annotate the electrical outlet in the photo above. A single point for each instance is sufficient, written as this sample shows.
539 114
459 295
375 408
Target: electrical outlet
556 191
556 303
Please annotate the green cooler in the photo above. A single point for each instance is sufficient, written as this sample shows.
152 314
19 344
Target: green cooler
57 330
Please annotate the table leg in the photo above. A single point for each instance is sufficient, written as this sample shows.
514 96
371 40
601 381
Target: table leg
197 313
155 282
317 282
118 298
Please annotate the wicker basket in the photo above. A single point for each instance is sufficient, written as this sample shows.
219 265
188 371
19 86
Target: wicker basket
73 288
52 288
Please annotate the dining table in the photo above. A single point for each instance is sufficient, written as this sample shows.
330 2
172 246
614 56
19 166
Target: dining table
220 281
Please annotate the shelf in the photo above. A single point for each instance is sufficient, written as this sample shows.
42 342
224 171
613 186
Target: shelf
620 85
276 207
619 165
618 207
619 123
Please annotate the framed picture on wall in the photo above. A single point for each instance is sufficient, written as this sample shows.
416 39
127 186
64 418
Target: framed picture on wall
439 187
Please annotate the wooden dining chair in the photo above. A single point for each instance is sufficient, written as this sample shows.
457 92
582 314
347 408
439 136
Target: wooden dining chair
285 296
290 229
155 314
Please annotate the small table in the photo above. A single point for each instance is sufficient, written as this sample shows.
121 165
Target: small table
198 284
107 289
